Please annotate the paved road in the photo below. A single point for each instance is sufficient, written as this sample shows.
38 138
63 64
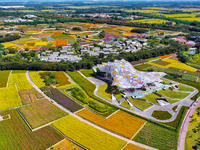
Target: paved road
184 127
86 121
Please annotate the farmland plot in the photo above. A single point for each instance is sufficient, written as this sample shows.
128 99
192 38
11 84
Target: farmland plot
62 99
9 97
41 112
120 122
21 81
36 78
157 137
4 78
88 136
15 134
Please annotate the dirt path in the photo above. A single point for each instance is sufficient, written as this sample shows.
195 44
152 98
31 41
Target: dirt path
86 121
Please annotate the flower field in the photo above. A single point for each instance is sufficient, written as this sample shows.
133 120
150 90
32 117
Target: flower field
36 78
65 145
4 78
21 81
62 99
157 137
61 77
15 134
9 97
156 21
41 112
11 45
86 135
130 146
173 63
120 122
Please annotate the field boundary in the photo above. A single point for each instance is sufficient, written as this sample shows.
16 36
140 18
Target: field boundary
139 130
9 78
69 138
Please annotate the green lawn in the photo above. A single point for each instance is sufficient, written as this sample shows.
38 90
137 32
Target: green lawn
172 101
139 103
102 92
125 104
161 115
88 73
185 88
151 98
158 137
173 94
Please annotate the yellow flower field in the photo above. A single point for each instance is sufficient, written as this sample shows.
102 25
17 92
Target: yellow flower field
174 64
158 21
11 45
190 19
40 43
88 136
131 146
36 78
120 122
21 81
9 97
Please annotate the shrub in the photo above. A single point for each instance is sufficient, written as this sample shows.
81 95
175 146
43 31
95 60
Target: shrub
78 94
98 107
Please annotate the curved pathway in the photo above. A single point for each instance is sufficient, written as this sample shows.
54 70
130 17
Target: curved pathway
184 127
86 121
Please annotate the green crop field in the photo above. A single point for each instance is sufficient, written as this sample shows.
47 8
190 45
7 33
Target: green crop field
142 66
36 78
157 137
88 136
9 97
15 134
41 112
21 80
4 78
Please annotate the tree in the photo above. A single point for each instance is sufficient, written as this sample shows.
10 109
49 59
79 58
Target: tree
76 46
26 49
101 55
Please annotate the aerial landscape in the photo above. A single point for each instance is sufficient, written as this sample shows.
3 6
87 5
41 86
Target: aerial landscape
99 75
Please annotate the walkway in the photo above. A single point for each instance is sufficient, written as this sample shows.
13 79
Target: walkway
86 121
184 127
